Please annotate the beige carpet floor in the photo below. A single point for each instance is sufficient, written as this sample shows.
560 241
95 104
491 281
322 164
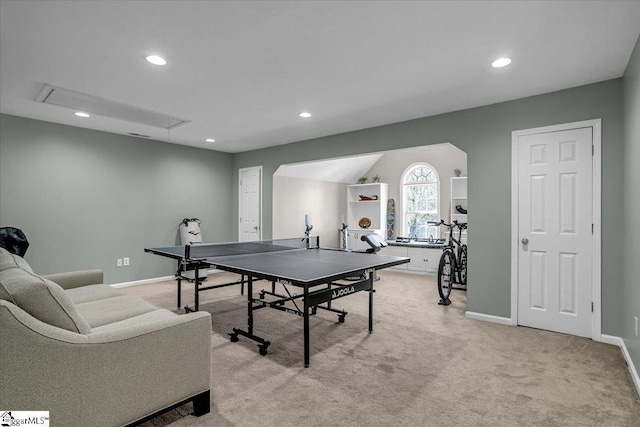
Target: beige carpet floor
424 365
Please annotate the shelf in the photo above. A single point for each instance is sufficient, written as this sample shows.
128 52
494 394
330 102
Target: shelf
375 210
459 187
458 197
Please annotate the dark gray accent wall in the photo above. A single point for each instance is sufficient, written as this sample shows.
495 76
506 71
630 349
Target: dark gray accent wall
85 198
484 133
630 303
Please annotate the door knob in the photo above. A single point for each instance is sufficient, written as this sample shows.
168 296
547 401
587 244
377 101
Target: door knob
525 241
255 228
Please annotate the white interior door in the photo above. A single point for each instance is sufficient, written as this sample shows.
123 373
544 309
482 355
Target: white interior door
555 231
250 200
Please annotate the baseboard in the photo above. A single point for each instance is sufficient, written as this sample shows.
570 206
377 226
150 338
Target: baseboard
488 318
609 339
152 280
142 282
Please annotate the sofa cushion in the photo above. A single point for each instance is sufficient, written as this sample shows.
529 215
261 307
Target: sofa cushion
92 293
9 260
152 316
41 298
110 310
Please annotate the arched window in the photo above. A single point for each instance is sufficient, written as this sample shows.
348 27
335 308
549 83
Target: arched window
420 188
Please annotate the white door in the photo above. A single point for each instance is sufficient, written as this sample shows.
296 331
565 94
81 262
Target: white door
555 231
250 204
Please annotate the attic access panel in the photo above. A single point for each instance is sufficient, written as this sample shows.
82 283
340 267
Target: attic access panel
90 104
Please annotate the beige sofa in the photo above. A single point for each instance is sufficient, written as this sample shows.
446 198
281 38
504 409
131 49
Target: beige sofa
92 355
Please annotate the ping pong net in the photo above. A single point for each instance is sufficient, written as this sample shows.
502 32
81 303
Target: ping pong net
207 251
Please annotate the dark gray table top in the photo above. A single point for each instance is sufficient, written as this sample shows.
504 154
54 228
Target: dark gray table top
299 266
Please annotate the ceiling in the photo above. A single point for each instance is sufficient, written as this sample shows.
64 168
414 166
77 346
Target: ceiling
240 72
344 169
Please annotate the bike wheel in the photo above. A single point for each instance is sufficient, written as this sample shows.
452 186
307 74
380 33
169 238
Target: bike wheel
446 275
463 265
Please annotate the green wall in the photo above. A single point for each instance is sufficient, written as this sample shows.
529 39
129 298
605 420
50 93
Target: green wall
85 198
485 135
631 284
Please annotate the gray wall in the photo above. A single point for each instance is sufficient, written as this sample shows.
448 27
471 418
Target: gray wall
631 284
485 135
85 198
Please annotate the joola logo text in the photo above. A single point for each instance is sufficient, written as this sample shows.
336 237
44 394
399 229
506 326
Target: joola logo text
342 291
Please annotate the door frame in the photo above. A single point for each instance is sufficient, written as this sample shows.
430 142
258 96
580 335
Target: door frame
240 170
596 254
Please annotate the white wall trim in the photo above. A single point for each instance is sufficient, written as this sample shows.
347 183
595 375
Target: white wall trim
609 339
152 280
596 125
488 318
142 282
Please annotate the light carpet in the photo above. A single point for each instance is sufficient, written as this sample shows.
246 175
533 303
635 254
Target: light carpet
424 365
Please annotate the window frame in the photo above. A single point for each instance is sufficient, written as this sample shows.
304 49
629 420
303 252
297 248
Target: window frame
403 186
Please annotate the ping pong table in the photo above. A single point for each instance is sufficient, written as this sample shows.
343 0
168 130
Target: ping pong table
323 274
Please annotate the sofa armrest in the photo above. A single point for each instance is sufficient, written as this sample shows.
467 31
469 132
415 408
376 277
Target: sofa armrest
152 365
76 279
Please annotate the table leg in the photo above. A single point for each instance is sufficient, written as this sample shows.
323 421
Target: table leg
195 288
306 327
179 279
179 290
263 344
250 305
371 275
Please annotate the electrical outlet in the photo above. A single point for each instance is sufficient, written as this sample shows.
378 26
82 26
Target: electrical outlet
119 262
636 326
126 261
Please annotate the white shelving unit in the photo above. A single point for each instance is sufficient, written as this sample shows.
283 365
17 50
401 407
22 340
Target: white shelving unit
375 210
458 197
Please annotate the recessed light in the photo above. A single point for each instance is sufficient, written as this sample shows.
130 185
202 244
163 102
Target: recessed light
81 114
156 60
305 115
501 62
210 140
